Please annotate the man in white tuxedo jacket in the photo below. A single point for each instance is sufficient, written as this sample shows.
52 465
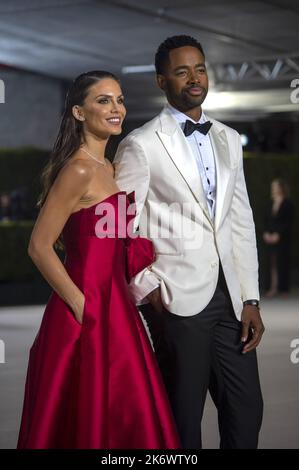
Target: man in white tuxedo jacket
200 296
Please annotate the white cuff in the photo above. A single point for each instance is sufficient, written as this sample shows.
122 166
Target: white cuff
142 284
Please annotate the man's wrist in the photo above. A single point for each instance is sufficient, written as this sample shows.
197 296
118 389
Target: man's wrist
253 302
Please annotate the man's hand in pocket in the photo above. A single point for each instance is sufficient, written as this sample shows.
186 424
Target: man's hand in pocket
155 300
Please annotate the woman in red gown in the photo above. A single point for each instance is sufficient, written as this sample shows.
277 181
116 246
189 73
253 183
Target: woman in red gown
92 379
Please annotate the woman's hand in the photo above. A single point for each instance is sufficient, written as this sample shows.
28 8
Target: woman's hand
271 238
275 237
267 237
78 308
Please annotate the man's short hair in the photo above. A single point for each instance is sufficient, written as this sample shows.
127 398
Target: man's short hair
173 42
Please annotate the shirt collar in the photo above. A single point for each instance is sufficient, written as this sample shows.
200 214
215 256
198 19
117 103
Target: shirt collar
181 118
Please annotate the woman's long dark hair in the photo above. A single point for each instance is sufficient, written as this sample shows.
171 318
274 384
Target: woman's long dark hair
69 136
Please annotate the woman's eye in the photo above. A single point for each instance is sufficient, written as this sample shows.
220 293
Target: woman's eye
103 101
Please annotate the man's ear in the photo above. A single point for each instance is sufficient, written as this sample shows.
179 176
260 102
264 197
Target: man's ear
78 113
161 81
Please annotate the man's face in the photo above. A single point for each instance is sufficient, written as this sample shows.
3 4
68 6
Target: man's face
185 80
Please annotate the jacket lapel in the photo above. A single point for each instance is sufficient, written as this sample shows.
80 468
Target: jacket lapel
222 162
178 149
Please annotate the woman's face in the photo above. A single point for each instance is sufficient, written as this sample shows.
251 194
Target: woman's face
276 190
103 110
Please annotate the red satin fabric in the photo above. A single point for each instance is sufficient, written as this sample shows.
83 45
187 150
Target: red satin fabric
96 386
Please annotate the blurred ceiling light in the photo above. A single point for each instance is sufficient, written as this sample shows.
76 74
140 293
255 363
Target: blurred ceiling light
138 69
244 140
277 100
222 99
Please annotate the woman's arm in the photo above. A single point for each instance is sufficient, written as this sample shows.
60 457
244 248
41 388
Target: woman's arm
70 185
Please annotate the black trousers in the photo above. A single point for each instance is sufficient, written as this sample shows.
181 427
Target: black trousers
203 352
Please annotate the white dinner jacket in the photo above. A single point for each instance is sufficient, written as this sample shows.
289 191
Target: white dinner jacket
157 163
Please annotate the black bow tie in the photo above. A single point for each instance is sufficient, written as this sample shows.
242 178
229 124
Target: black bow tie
190 127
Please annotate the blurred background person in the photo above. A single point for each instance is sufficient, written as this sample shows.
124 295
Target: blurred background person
277 236
5 207
19 204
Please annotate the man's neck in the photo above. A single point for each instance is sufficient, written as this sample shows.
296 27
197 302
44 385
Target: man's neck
194 113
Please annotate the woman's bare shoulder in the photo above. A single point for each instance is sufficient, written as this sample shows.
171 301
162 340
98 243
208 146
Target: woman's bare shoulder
78 169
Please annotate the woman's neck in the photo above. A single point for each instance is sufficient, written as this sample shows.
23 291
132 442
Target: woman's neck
95 146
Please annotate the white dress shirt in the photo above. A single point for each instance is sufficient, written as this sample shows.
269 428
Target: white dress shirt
203 153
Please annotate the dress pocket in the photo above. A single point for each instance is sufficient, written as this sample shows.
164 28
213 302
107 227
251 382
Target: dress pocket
83 315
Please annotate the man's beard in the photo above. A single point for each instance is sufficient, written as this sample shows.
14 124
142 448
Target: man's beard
190 102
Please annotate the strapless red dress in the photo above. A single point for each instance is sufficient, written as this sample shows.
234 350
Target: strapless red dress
97 385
